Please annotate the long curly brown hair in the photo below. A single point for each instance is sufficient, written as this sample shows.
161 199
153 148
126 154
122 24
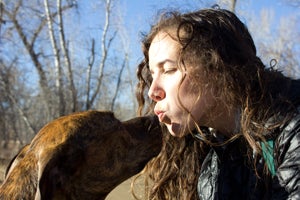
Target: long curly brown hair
220 43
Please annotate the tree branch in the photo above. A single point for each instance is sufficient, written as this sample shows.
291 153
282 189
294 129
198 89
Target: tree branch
58 70
104 48
66 56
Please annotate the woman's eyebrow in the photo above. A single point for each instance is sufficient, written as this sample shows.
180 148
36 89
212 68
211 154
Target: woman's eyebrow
161 63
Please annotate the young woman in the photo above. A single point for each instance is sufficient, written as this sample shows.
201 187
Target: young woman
231 124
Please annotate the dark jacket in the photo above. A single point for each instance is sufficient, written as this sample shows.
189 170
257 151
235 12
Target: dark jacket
227 174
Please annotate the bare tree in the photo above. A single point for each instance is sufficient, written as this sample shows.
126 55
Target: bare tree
29 40
44 40
91 63
231 4
11 98
105 46
281 42
58 69
125 62
66 56
61 55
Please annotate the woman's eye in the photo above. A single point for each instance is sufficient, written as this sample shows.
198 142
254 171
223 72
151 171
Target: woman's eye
170 70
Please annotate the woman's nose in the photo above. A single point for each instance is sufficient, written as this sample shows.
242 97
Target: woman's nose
156 93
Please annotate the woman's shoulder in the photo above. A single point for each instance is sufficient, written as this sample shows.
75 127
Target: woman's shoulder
287 157
289 133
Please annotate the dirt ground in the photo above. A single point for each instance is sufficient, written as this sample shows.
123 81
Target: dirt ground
121 192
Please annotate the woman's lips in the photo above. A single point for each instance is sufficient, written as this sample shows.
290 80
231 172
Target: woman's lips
160 115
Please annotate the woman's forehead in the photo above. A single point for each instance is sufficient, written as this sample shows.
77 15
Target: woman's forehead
163 48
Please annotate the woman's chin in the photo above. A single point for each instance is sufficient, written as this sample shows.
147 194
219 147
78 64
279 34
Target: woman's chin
175 130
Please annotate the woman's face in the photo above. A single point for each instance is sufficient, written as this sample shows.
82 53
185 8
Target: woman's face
166 88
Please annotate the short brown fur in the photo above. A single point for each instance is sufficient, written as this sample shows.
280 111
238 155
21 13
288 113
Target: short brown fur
81 156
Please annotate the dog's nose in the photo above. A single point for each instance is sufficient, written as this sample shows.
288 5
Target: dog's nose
142 126
152 122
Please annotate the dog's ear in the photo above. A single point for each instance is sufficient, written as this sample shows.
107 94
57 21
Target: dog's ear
14 161
58 172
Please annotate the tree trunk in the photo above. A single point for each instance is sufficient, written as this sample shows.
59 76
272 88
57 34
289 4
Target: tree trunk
58 70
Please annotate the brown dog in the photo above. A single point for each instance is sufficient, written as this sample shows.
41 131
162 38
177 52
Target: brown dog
81 156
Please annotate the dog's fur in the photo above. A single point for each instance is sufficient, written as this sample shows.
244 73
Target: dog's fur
81 156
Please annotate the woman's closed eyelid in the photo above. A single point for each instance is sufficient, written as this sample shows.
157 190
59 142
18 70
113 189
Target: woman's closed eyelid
163 68
170 70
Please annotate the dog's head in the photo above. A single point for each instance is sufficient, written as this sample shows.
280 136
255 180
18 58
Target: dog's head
98 153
